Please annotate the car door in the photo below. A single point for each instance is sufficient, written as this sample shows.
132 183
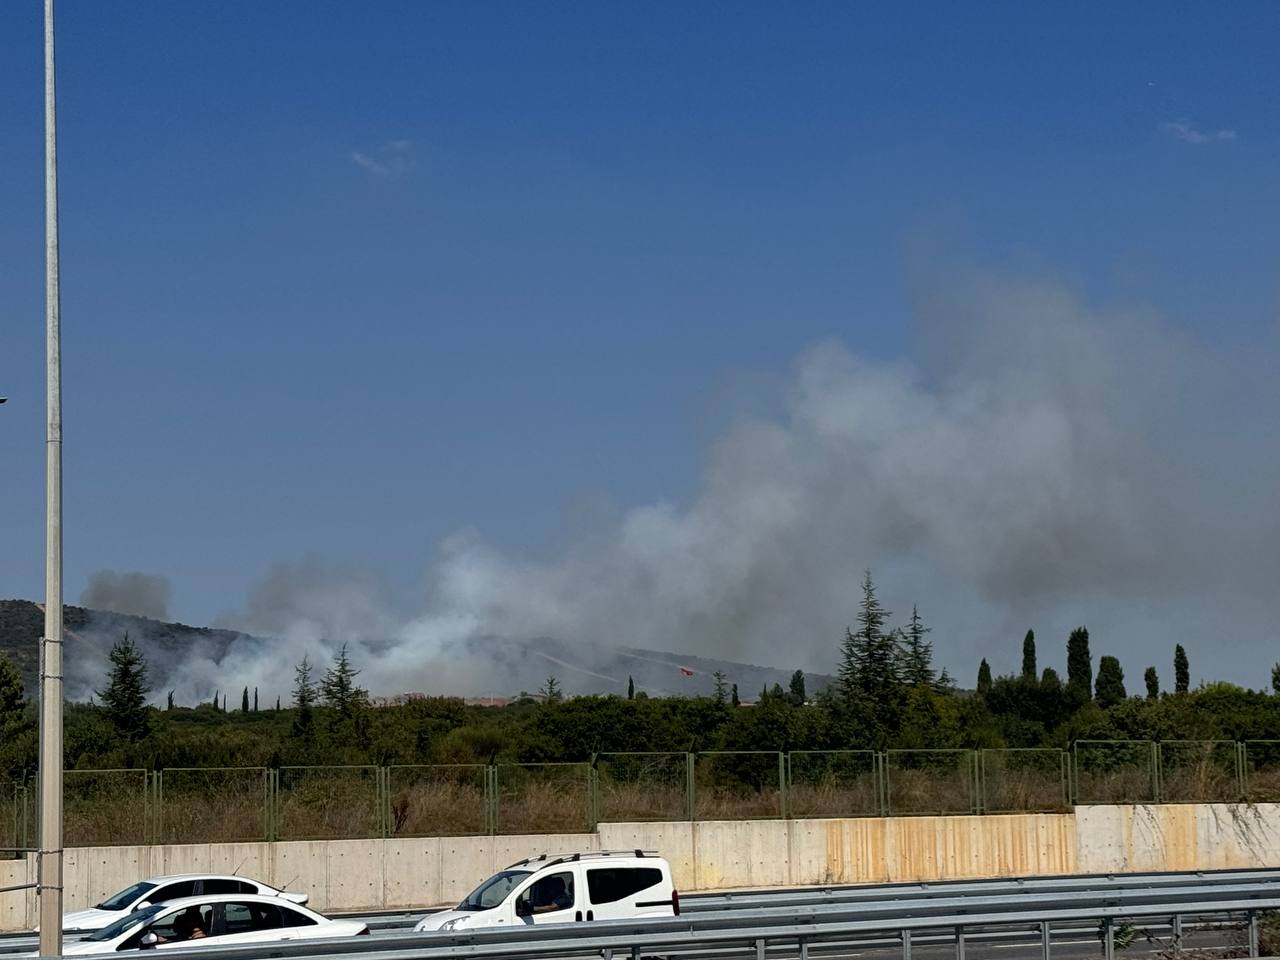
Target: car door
552 897
616 892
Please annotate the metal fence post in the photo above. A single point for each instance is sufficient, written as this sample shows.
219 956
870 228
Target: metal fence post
974 777
783 810
691 784
1242 776
1157 771
593 798
884 783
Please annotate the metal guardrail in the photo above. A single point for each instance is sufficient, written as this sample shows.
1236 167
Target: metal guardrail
1185 892
758 932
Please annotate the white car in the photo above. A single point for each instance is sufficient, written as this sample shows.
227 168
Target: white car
164 889
227 920
574 888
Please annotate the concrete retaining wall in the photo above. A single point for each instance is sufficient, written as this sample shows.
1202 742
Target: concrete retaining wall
346 875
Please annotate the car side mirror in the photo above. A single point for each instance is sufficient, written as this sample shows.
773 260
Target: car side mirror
141 905
149 940
524 908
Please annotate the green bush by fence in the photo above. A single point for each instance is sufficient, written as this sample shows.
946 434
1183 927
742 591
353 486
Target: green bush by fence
110 807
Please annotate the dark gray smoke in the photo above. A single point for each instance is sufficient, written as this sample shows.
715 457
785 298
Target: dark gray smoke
137 594
1041 461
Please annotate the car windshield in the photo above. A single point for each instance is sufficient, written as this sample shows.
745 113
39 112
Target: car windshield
125 898
125 923
493 891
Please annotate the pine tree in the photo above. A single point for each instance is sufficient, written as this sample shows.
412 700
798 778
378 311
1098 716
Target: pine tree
871 687
551 691
1152 680
631 688
917 666
1110 690
798 695
125 698
216 701
721 694
733 697
1079 666
1181 670
1029 656
277 704
17 729
337 686
984 678
244 701
304 696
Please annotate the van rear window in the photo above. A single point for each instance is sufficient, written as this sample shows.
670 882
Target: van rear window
610 884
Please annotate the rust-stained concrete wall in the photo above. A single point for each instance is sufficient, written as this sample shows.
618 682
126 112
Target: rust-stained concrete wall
721 854
1217 836
353 875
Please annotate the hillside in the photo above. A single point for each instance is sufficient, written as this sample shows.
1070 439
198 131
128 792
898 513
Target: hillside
512 665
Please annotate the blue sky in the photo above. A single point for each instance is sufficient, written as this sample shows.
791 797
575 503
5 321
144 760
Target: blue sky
341 279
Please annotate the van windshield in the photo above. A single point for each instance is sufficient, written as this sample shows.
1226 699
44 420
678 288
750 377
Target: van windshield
493 891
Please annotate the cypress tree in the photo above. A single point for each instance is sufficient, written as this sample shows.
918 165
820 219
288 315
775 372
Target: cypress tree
1152 680
244 701
984 678
255 699
1110 690
1079 666
733 696
1181 670
631 688
1029 656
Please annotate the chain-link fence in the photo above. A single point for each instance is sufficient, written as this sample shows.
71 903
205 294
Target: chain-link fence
1199 771
105 807
833 783
438 800
1260 770
207 804
739 785
931 781
543 798
15 819
1024 780
328 803
639 787
1115 771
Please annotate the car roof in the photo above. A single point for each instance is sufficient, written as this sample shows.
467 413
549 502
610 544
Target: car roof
227 898
179 877
650 858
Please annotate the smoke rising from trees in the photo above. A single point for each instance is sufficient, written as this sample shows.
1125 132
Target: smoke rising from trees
1041 461
134 593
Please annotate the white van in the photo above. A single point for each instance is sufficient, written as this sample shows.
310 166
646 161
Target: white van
572 888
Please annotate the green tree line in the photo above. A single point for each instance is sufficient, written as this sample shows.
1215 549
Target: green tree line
888 693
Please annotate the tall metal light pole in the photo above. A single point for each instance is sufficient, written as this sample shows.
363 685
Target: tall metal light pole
50 877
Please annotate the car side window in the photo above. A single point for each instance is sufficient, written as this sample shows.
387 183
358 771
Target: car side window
292 918
237 918
547 895
611 884
173 891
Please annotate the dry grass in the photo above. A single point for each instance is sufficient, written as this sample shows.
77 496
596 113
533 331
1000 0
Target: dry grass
834 798
204 806
328 804
550 803
445 805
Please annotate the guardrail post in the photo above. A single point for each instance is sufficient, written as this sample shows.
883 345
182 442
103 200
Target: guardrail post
1044 939
804 948
1108 939
635 952
760 950
959 943
906 945
1253 933
1177 934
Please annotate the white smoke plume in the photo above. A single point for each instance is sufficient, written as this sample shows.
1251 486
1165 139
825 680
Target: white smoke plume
1039 462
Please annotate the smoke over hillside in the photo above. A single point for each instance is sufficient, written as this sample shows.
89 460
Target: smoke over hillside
1041 462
